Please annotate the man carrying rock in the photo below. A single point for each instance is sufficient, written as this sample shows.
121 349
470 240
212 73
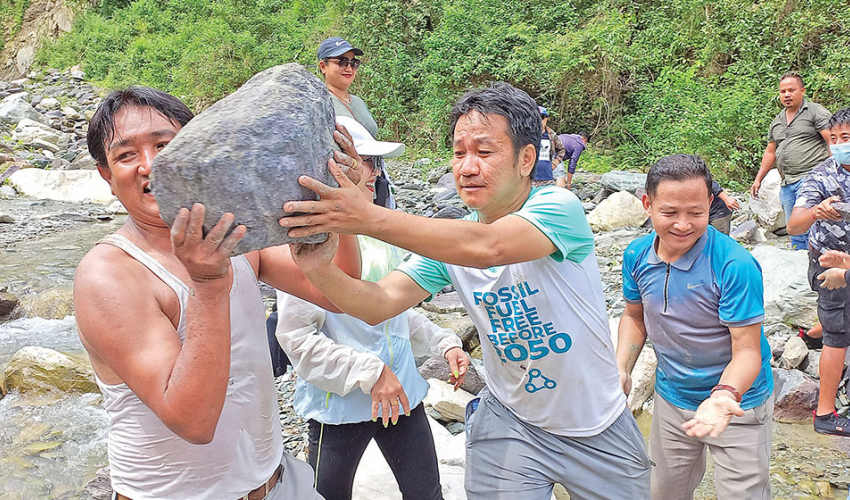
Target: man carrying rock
524 265
698 296
574 146
796 143
174 328
828 229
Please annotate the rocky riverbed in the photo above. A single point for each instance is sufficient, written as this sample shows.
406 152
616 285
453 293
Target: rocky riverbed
51 444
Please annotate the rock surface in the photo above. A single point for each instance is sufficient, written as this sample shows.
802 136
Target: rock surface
244 155
618 180
449 403
74 185
794 353
767 206
787 295
438 368
621 209
39 369
796 395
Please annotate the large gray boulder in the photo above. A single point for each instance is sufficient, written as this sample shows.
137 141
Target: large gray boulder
767 207
13 109
617 180
788 298
244 155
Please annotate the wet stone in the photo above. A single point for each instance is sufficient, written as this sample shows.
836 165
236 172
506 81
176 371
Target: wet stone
244 155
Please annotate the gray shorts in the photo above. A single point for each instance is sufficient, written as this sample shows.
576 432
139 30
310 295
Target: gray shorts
833 306
559 173
507 458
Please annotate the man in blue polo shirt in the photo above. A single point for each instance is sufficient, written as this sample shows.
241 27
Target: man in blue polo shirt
698 296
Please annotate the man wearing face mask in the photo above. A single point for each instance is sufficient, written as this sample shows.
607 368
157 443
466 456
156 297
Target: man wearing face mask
828 183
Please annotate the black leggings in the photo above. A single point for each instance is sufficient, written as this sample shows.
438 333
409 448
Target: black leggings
407 446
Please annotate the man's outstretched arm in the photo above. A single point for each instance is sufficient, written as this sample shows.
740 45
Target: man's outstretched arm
370 302
458 242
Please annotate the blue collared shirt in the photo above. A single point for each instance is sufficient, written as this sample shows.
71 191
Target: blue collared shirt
689 306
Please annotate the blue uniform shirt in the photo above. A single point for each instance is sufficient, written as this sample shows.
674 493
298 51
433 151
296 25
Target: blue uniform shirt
688 307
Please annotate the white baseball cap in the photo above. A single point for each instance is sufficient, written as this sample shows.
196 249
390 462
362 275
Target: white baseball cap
365 144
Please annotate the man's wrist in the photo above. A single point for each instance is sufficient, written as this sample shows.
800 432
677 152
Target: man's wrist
726 389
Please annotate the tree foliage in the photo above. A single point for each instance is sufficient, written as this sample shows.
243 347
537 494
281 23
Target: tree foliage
645 77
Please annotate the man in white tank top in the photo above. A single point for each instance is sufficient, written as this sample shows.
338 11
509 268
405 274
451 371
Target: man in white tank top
175 329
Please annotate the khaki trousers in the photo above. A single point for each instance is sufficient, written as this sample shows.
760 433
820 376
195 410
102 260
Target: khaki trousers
741 454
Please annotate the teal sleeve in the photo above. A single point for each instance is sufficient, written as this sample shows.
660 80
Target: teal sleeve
741 289
432 275
631 292
559 215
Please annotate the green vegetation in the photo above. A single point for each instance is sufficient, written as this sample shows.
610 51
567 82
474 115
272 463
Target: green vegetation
645 77
11 17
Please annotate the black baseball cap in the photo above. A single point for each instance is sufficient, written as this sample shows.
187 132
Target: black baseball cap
335 46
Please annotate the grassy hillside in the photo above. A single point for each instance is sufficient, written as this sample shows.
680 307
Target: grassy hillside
646 77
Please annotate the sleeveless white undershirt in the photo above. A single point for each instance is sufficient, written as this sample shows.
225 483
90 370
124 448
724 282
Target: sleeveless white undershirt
148 461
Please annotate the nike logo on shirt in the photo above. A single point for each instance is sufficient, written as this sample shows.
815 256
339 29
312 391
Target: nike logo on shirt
691 287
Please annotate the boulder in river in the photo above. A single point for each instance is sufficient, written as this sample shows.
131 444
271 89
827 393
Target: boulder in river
767 206
244 155
450 403
13 109
621 209
8 302
39 369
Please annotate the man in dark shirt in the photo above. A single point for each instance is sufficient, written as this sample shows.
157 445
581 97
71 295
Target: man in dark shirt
722 205
551 154
796 143
574 146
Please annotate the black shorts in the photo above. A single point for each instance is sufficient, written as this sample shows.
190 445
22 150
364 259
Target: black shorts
833 306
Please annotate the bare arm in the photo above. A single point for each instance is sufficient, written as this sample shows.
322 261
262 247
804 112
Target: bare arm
803 218
560 150
631 337
768 159
459 242
714 414
131 338
277 269
825 134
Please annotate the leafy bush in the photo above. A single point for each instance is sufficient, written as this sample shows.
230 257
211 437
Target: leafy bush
647 78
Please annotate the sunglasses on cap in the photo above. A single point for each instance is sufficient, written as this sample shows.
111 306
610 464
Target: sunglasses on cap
344 61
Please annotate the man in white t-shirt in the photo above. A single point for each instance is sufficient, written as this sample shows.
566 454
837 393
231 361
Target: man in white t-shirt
524 265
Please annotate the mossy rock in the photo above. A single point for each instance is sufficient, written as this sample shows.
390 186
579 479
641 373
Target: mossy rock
36 369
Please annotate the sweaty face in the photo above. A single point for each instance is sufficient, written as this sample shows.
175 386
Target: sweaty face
338 77
140 134
679 212
488 175
791 93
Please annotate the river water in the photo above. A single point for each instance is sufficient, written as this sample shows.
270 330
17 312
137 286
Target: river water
51 446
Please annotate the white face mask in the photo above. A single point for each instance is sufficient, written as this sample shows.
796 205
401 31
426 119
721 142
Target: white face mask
841 153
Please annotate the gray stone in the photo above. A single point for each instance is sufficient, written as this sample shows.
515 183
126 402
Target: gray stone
788 298
13 111
813 364
49 103
244 155
794 353
450 213
446 195
438 368
444 303
745 231
6 219
617 180
447 181
588 206
796 395
100 488
83 161
842 208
